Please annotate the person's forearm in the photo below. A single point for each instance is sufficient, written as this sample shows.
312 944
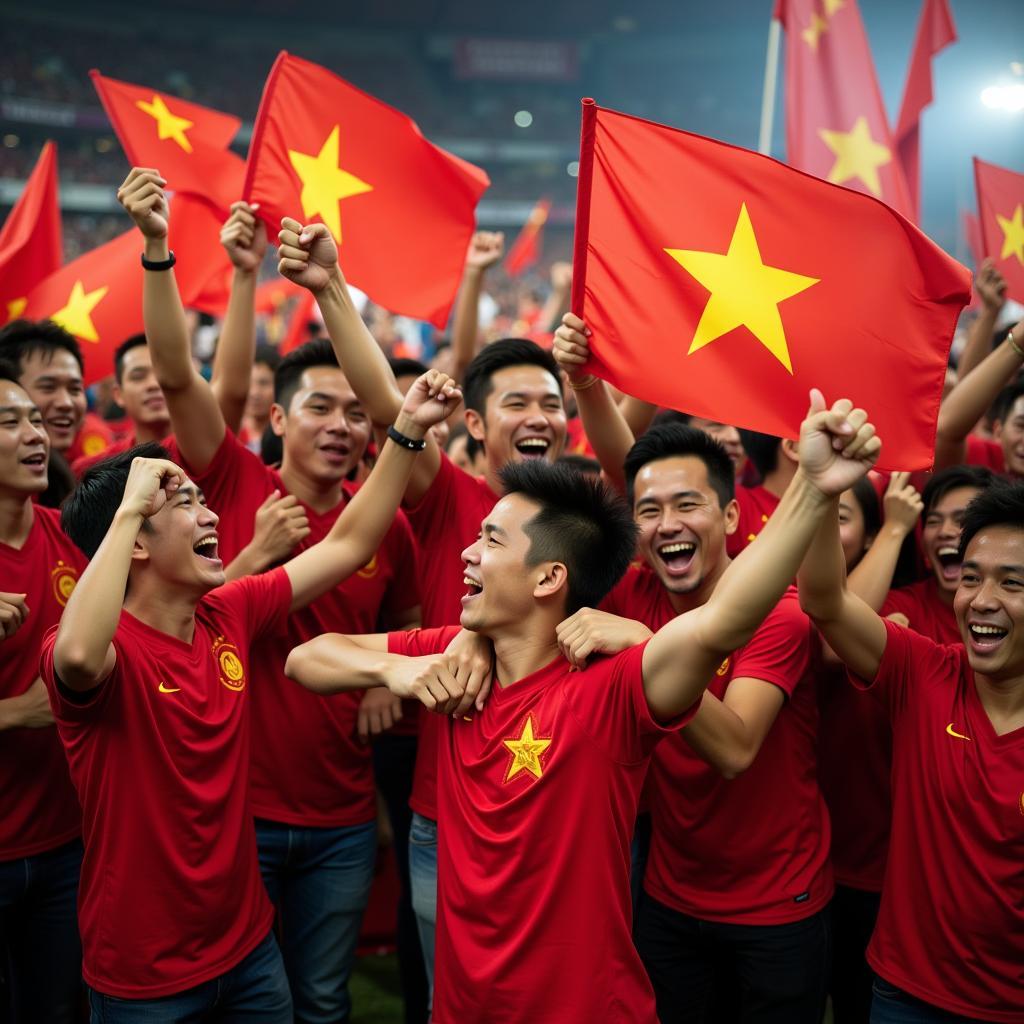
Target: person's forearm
332 663
822 576
466 323
164 319
248 562
232 361
606 429
720 737
871 579
14 712
979 340
637 413
555 307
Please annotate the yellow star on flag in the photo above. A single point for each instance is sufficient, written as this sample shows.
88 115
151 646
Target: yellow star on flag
1013 234
832 6
857 156
744 292
15 307
325 184
814 31
526 752
168 125
76 316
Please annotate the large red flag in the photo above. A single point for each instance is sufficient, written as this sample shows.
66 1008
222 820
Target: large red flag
935 31
725 284
400 208
525 250
836 127
1001 212
31 242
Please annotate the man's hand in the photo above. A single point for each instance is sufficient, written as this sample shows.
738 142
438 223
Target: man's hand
561 277
379 710
430 680
142 195
13 613
281 522
590 631
150 485
485 249
432 398
837 446
308 255
990 286
572 345
902 503
473 658
244 237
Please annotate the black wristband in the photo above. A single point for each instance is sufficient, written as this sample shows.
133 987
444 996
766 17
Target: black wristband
406 442
159 264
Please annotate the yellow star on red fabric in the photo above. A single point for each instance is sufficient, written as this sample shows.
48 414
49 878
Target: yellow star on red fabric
168 125
1013 234
526 752
76 316
857 155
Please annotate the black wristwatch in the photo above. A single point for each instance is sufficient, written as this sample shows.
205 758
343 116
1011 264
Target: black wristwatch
159 264
406 442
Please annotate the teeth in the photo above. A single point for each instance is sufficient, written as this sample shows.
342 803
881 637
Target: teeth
988 630
208 542
943 552
532 442
674 549
471 583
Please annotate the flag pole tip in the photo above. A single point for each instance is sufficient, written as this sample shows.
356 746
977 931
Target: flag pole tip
588 101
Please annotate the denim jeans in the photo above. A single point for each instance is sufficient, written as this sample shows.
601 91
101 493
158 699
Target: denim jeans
891 1005
423 879
254 991
40 951
319 880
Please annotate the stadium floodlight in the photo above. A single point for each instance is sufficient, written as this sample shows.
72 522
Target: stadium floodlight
573 168
523 118
1008 97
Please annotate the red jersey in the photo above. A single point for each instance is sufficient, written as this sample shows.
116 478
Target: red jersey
93 437
982 451
538 807
171 894
576 441
756 507
446 521
308 767
39 809
927 613
85 462
951 926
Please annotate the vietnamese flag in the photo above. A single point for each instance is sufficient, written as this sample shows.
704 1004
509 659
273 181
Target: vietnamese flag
1001 212
31 240
188 144
724 284
203 269
525 250
401 209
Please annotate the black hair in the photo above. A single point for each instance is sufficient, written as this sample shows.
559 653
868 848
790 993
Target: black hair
498 355
581 523
267 355
1000 504
674 439
90 508
9 370
762 450
21 339
403 367
271 447
122 350
663 416
952 477
581 463
294 365
1006 399
870 507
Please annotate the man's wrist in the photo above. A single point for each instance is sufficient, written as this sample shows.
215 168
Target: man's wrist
807 490
335 290
127 518
406 425
156 249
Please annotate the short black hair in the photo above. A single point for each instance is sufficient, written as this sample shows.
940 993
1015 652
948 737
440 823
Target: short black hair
663 416
90 508
1000 504
498 355
762 450
294 365
581 463
870 507
951 478
404 367
9 370
123 349
267 355
581 523
671 440
1006 399
21 339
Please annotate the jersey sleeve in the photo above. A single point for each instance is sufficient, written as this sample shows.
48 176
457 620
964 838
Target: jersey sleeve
74 708
262 601
403 591
780 651
234 471
414 643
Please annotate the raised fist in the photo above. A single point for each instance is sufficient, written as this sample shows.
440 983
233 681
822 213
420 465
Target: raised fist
308 255
142 195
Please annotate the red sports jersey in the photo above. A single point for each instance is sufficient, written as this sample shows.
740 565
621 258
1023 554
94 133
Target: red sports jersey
308 767
171 894
38 807
538 806
85 462
984 452
927 613
756 506
576 441
445 522
951 926
93 437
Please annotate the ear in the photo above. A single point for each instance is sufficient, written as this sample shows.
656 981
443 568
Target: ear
278 419
475 424
551 579
997 430
115 394
140 554
790 450
732 517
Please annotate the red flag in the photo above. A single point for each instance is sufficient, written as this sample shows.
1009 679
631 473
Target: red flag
725 284
525 250
935 31
187 143
302 312
1001 212
400 208
203 268
972 235
31 242
271 294
836 127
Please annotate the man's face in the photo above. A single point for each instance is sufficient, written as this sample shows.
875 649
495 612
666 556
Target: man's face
727 436
261 393
326 430
524 417
852 534
1009 432
989 602
53 381
940 536
24 443
682 525
139 393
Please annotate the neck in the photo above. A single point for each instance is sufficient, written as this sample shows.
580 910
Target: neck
519 656
16 518
1003 701
173 613
695 598
318 496
256 424
155 431
778 479
492 476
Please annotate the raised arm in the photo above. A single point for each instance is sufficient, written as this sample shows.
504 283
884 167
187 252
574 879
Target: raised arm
195 416
991 289
485 249
557 303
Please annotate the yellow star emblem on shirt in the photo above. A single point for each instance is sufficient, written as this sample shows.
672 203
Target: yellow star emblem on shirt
325 184
168 125
526 752
817 27
744 291
1013 234
76 316
857 156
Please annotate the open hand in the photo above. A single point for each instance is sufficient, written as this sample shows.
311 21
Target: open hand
379 710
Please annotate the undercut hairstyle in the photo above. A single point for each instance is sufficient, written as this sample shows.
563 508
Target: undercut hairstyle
497 356
403 367
762 450
90 508
22 339
267 355
122 350
1000 504
291 368
674 440
581 523
950 479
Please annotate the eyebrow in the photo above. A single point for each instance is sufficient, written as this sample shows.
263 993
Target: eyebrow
490 528
1002 568
319 396
526 394
190 491
17 410
674 497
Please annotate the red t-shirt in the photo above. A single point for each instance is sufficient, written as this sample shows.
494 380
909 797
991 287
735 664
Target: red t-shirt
171 894
924 608
756 507
538 806
308 767
981 451
85 462
951 926
38 806
446 520
93 437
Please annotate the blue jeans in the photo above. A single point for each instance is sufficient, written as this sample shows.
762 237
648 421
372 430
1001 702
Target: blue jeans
423 878
40 951
319 879
891 1005
255 990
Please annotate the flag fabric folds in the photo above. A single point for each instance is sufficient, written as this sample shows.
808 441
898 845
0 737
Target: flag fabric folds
525 250
1001 213
724 284
401 209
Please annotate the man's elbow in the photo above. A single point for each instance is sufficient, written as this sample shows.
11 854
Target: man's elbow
734 763
297 664
76 666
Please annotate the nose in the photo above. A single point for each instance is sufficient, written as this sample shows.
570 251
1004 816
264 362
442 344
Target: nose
33 433
984 598
949 528
471 555
338 423
207 517
536 417
669 521
62 399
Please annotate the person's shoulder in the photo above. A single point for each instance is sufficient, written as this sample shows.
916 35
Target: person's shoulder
53 536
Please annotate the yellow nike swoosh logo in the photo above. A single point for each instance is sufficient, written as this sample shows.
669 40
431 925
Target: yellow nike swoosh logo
164 688
958 735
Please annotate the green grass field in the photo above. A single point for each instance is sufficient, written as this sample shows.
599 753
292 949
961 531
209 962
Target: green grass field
375 991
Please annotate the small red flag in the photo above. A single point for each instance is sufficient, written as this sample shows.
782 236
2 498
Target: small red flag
1001 212
725 284
525 250
271 294
400 208
302 312
31 241
203 269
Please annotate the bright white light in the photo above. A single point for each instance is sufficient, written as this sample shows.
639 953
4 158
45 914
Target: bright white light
1004 97
523 118
573 169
